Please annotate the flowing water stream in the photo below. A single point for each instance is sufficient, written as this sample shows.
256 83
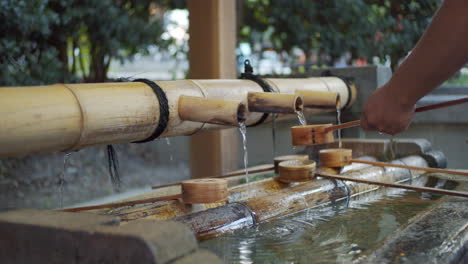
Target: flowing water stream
168 142
243 132
273 133
338 121
301 117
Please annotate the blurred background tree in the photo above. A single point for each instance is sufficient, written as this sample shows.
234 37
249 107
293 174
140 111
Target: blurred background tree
325 31
46 41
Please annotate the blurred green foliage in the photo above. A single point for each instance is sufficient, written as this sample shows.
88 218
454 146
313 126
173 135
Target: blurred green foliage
329 29
46 41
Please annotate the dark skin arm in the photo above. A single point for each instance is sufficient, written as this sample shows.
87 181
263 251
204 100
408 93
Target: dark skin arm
441 51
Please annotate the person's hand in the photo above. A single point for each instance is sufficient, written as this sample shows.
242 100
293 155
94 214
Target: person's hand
385 112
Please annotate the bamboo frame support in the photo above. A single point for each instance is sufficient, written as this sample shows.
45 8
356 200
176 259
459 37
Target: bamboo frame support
319 99
274 103
66 117
212 111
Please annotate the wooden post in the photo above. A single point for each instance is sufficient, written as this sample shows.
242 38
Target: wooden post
212 56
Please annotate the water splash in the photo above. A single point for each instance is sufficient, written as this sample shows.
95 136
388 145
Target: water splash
168 142
273 133
243 131
338 121
301 117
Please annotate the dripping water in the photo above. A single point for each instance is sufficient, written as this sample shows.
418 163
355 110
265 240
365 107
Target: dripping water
66 157
301 117
168 142
243 131
338 121
392 148
273 133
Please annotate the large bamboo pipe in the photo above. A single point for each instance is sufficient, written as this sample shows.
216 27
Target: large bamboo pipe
65 117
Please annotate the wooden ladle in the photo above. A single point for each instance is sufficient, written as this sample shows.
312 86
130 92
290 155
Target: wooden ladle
322 134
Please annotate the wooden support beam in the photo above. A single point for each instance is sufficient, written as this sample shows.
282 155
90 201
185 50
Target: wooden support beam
212 56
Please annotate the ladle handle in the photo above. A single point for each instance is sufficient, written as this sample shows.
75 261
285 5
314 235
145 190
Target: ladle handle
417 110
344 125
385 164
440 105
394 185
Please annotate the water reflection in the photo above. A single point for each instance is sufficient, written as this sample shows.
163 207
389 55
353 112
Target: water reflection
333 233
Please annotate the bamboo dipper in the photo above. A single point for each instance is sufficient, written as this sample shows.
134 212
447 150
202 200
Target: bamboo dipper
296 171
279 159
198 191
322 134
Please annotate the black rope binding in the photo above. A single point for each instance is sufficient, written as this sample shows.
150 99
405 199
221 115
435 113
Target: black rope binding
113 167
163 110
346 80
249 75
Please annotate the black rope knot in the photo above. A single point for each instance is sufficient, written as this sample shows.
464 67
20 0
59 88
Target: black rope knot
249 75
163 110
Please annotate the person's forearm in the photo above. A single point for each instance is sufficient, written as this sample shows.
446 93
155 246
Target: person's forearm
442 50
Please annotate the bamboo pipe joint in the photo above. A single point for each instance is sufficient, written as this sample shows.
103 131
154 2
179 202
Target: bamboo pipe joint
296 171
213 111
279 159
274 103
335 157
311 135
200 191
319 99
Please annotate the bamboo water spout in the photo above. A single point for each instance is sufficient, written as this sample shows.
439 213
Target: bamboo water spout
66 117
212 111
319 99
274 103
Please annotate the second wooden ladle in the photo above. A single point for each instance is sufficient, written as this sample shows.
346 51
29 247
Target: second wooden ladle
322 134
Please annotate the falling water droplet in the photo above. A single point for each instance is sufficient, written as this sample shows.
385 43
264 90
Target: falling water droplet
66 157
168 142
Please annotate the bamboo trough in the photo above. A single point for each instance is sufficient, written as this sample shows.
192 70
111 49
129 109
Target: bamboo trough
68 117
213 222
164 205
